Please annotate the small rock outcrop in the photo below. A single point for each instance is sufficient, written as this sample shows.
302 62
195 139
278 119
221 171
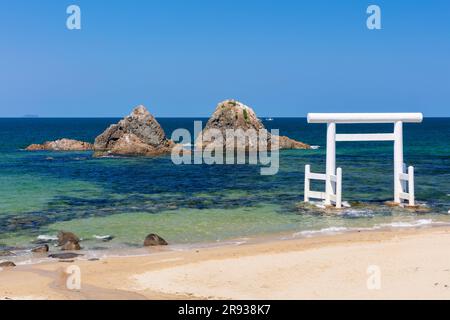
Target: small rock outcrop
61 145
68 241
232 114
41 249
137 134
288 143
154 240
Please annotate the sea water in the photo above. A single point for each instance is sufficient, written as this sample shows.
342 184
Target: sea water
128 198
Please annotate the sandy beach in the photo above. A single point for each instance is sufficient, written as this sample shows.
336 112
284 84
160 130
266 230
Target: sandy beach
412 264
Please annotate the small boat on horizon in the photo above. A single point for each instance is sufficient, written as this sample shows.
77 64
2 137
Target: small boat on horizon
269 119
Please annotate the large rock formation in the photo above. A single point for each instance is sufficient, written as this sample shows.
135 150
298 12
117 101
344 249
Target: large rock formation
137 134
61 145
232 114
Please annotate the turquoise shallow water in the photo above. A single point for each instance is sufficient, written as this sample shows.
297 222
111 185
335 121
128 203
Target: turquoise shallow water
43 192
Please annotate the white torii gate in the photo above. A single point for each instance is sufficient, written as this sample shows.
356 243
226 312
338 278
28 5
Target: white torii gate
333 177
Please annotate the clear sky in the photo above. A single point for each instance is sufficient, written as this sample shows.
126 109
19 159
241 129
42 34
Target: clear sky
182 57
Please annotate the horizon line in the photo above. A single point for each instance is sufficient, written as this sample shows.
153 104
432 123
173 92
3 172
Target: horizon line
165 117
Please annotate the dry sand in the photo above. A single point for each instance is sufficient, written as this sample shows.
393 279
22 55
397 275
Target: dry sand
412 264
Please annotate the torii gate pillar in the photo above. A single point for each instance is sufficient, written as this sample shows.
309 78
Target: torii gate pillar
331 160
333 178
398 160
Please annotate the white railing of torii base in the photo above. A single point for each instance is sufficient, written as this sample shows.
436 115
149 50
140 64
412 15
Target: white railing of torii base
403 181
407 185
334 181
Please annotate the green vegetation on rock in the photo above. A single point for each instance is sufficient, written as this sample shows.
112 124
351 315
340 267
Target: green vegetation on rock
245 115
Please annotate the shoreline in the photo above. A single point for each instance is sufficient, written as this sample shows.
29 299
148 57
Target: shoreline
411 261
25 257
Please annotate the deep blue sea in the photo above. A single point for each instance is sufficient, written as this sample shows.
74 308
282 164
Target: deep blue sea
43 192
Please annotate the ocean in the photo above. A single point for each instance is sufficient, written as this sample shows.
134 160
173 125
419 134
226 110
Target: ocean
128 198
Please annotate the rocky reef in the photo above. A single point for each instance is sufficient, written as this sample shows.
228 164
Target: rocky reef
61 145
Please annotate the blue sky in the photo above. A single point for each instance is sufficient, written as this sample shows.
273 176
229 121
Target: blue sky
180 58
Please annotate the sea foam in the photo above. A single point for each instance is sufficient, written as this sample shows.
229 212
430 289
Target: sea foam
416 223
330 230
399 224
353 213
45 237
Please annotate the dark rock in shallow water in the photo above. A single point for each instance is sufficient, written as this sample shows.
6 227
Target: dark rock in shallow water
7 264
154 240
64 237
68 255
71 246
68 241
40 249
6 253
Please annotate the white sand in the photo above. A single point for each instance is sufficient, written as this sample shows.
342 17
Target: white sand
413 264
